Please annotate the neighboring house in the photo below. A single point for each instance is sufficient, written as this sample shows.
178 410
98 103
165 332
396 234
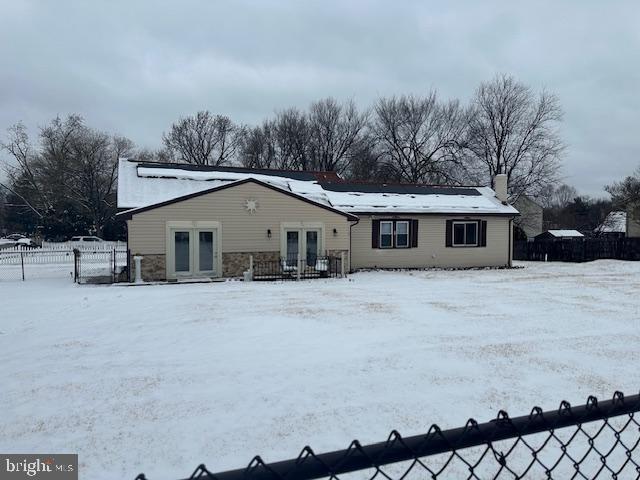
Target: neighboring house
530 219
559 235
613 226
633 222
189 221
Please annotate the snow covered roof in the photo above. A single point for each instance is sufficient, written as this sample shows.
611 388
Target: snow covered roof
615 222
565 233
142 184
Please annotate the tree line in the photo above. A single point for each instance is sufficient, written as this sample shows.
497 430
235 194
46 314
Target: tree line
64 182
506 128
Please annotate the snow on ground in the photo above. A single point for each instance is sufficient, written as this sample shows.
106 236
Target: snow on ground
161 378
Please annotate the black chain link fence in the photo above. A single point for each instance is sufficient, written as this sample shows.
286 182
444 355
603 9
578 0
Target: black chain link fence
110 266
594 440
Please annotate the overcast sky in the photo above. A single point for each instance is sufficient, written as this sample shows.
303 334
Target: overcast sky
132 67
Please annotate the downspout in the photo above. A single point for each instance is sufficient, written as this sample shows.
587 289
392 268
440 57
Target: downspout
510 253
126 228
350 243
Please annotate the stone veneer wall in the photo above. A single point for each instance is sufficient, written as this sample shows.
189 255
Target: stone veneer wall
234 264
153 268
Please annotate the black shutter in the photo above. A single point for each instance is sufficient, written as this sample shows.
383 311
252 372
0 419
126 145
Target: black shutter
414 234
449 233
375 233
482 225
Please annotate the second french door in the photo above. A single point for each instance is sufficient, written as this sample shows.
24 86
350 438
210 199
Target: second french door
194 252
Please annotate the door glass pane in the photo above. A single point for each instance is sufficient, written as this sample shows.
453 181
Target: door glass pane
205 251
292 247
312 247
458 233
181 240
472 233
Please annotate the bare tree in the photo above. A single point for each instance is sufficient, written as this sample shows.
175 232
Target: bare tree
91 181
290 130
204 139
512 131
23 177
417 138
563 196
70 174
257 147
280 143
626 193
335 132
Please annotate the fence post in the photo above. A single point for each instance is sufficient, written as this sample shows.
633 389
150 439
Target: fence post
299 267
342 269
251 266
76 265
22 264
128 265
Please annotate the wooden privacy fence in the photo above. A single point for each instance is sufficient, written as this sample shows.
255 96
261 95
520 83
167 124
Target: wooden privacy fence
578 249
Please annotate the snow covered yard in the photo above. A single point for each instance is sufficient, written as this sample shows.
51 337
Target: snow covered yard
161 378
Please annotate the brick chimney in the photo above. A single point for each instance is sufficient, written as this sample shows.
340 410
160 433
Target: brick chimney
500 187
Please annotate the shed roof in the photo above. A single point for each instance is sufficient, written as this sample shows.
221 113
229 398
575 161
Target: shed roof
564 233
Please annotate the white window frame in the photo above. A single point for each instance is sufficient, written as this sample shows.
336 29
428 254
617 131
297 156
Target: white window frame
465 223
395 234
391 234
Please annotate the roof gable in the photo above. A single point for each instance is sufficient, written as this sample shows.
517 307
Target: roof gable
128 214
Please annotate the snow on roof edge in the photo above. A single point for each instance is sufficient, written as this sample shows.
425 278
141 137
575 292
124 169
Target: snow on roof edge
138 191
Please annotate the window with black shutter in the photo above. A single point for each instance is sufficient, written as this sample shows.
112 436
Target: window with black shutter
466 233
402 233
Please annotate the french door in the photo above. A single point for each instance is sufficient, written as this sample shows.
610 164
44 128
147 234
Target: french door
193 252
303 242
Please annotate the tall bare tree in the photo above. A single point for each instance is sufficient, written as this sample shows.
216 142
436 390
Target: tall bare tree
336 132
417 138
515 132
91 182
626 193
68 180
204 139
282 142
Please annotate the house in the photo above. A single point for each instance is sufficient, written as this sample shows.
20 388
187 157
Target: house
189 221
531 214
633 220
613 226
551 235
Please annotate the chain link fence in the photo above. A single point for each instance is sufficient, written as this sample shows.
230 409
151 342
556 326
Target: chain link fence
594 440
20 264
98 264
101 267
